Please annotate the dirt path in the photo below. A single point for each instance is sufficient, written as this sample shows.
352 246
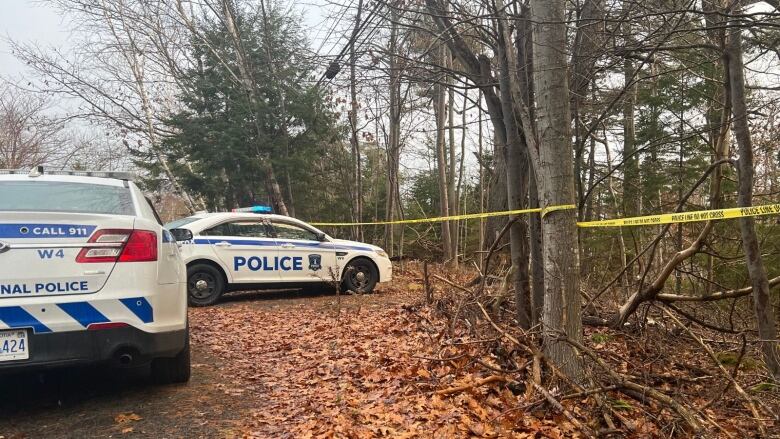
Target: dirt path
248 354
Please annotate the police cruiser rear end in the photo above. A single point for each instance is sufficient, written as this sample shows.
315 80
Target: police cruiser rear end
240 250
88 274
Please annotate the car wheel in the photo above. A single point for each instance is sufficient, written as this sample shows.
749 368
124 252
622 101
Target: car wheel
360 276
205 285
173 370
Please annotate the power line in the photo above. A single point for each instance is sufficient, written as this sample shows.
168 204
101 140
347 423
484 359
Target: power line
334 67
335 24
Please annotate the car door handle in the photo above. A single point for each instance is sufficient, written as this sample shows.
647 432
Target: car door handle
223 244
288 245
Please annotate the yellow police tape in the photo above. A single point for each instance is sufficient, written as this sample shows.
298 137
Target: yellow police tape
664 218
687 217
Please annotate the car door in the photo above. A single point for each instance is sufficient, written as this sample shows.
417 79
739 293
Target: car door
247 248
311 260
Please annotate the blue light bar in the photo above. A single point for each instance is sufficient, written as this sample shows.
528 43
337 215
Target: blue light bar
255 209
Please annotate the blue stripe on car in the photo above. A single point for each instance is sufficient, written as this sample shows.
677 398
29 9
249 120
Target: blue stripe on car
16 317
140 307
83 313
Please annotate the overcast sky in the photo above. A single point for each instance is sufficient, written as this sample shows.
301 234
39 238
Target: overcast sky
29 21
33 21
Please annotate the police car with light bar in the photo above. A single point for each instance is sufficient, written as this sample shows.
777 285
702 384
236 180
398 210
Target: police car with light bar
251 247
88 274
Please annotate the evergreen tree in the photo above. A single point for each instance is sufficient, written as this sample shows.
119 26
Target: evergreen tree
220 135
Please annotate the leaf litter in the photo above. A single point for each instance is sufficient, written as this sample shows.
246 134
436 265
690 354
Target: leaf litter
384 365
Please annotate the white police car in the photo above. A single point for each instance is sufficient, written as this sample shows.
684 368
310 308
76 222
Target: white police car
237 250
88 274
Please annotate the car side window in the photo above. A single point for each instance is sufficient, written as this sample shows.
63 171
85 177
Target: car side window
252 229
223 229
244 229
290 231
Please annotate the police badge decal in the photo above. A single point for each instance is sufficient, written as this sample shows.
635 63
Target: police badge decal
315 262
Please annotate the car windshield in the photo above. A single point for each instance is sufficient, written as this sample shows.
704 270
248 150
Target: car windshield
58 196
180 222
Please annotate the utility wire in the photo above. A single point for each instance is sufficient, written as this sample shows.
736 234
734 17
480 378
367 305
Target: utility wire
355 35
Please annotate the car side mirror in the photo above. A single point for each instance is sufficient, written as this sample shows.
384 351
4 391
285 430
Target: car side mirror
181 234
321 237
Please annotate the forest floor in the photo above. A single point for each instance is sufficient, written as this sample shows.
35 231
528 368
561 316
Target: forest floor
317 364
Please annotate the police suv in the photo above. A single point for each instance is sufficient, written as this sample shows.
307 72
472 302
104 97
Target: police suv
237 250
88 274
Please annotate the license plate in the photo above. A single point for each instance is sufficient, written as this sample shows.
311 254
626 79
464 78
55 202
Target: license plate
14 345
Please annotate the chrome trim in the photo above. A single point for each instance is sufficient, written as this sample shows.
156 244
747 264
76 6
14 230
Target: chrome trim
68 245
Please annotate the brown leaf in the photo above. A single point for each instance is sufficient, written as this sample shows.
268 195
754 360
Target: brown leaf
124 418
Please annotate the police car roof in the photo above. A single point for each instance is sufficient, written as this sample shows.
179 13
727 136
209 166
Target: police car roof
247 215
64 179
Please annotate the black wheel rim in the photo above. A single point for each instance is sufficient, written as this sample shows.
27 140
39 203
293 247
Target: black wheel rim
202 285
360 276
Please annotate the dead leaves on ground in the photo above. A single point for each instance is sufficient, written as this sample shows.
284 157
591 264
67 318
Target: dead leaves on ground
124 419
311 374
372 369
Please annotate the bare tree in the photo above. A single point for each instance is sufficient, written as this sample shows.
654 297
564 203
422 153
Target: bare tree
765 317
556 186
28 136
119 73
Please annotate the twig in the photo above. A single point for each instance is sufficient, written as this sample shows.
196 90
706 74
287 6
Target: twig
452 284
555 403
428 290
748 400
737 364
690 418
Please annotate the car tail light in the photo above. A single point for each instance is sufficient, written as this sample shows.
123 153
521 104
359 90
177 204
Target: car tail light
141 247
119 245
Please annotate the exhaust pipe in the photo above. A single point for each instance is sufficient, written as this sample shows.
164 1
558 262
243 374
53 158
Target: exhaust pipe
125 359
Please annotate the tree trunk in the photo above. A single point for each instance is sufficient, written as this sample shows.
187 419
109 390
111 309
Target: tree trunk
482 180
394 136
537 256
452 163
562 300
440 114
765 316
357 202
584 55
632 199
516 174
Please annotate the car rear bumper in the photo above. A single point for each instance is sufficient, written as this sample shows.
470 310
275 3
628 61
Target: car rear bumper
123 346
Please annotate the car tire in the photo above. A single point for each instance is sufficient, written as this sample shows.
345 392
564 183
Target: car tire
173 370
360 276
205 285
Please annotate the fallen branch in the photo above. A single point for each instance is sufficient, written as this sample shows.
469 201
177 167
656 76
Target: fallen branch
479 383
730 294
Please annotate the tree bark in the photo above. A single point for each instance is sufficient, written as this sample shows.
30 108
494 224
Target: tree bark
440 114
452 164
517 188
357 202
562 300
394 136
762 304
